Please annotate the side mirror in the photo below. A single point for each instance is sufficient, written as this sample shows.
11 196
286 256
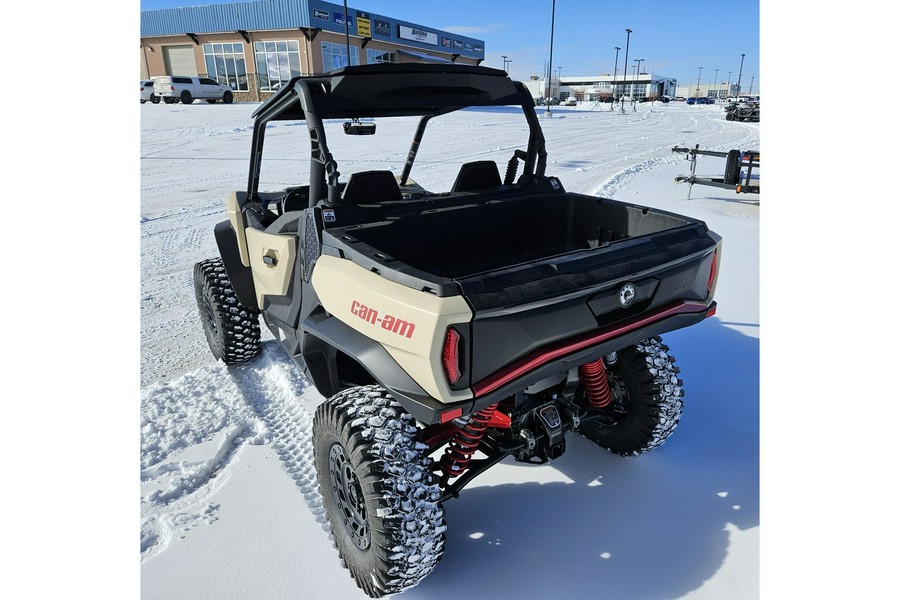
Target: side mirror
357 128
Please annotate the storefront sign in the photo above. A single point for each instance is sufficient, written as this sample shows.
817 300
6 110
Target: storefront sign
363 28
321 14
339 19
418 35
457 45
383 28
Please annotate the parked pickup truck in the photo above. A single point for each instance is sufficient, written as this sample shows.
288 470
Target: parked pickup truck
473 324
187 89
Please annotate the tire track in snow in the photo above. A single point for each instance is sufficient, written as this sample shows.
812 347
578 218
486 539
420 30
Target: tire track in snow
284 401
217 411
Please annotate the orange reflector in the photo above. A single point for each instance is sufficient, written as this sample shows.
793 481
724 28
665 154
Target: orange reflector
711 311
451 414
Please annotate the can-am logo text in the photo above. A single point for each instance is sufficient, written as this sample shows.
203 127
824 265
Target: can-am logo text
387 322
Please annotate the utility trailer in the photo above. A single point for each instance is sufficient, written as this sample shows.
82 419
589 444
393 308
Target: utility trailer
739 170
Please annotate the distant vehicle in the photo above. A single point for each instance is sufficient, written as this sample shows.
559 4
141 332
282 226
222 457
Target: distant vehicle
147 92
741 111
186 89
570 101
701 100
665 99
679 98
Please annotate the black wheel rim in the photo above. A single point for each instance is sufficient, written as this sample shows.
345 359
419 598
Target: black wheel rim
348 497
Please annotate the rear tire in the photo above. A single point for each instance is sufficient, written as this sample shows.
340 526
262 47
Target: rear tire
186 97
647 401
378 490
232 329
227 97
732 166
154 98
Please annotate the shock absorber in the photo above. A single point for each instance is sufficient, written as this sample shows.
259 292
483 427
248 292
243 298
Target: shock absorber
596 383
463 445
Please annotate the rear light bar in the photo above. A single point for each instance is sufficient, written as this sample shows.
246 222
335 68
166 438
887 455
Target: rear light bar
450 356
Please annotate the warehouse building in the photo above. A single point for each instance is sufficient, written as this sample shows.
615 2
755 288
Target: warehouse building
256 46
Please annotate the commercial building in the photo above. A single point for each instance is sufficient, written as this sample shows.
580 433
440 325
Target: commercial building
256 46
602 87
720 90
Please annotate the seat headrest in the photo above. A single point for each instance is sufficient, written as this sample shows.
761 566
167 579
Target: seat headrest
477 176
368 187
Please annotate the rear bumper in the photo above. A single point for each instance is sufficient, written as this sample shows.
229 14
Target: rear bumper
566 354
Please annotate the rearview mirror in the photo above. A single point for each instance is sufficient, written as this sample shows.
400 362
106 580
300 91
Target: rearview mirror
356 128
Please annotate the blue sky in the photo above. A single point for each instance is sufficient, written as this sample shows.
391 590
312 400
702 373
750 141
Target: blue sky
675 37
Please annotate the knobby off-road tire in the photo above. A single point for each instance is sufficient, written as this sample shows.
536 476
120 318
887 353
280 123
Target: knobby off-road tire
232 329
647 400
379 493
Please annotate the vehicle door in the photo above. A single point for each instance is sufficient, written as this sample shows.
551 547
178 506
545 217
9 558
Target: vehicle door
210 88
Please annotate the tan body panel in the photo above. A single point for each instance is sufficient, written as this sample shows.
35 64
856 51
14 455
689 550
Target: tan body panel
409 324
236 217
273 280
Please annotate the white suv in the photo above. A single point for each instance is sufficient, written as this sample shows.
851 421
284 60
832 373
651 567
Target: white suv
147 92
186 89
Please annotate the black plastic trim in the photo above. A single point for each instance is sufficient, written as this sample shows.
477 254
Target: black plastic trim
241 277
384 369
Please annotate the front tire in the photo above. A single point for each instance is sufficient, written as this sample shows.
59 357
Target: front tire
378 490
232 329
228 98
647 401
154 98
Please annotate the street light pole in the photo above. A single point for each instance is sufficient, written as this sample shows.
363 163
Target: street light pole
716 82
504 62
739 74
637 76
729 86
550 68
752 77
347 31
612 105
625 68
697 95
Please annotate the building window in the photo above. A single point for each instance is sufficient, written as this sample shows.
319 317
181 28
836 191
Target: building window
276 63
334 56
380 56
225 63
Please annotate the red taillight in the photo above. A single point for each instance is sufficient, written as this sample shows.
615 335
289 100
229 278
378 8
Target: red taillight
713 273
450 356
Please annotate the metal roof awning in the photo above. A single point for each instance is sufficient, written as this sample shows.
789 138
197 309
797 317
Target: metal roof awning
423 56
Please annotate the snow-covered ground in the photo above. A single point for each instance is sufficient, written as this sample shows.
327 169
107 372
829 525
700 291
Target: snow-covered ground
229 503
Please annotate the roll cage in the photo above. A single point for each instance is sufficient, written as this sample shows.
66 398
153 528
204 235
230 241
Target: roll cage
387 90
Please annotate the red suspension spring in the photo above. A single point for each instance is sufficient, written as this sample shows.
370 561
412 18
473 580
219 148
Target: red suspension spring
596 383
463 445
